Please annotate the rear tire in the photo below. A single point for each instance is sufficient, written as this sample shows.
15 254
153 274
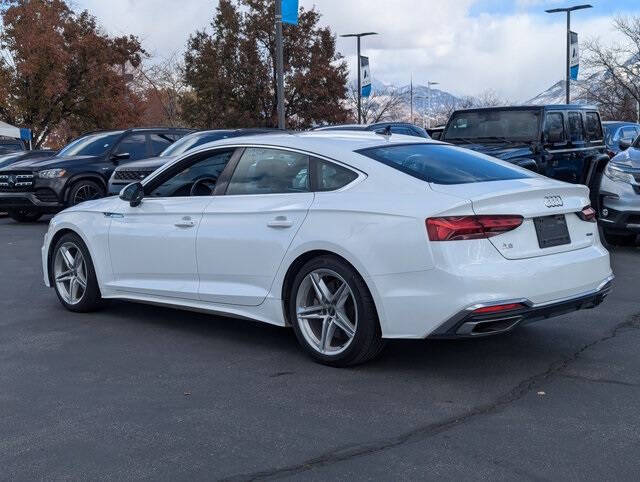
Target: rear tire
333 314
25 215
73 275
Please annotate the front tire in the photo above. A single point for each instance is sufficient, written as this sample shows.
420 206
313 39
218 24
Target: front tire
25 215
333 314
73 275
85 190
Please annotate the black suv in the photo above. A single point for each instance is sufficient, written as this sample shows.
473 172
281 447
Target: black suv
404 128
564 142
79 172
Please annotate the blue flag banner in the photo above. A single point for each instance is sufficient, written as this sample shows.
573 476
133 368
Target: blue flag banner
290 11
574 58
365 75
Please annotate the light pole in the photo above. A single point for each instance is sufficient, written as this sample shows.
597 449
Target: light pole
358 35
568 10
429 84
279 67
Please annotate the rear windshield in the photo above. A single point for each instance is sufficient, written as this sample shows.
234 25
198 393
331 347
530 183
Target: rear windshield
493 125
442 164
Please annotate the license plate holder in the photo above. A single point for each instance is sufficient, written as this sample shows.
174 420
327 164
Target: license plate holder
552 231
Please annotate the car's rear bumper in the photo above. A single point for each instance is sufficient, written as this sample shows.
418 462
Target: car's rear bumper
28 200
467 323
419 304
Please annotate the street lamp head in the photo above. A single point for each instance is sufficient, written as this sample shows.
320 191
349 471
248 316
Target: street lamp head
569 9
363 34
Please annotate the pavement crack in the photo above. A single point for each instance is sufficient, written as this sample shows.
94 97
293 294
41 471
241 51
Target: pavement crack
348 452
600 380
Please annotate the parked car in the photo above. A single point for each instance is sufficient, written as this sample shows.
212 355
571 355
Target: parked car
350 239
620 196
403 128
435 132
564 142
79 172
8 159
9 145
136 171
619 135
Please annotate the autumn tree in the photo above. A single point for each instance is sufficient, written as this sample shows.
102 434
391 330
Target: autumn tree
231 74
60 74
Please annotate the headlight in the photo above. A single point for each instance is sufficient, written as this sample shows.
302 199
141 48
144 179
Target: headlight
51 173
617 174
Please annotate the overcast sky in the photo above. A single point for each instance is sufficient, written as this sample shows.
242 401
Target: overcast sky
509 46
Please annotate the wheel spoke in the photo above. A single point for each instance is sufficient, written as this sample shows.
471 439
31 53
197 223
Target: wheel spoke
82 283
341 295
342 321
73 289
69 261
319 286
311 312
65 276
328 330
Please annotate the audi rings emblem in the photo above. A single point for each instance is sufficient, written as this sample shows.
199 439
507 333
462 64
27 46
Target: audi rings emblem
553 201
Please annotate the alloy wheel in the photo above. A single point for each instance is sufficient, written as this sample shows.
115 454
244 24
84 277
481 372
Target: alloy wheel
70 273
327 312
86 192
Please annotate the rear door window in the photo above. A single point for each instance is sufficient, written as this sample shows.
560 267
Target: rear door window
330 176
593 126
554 128
159 142
442 164
576 129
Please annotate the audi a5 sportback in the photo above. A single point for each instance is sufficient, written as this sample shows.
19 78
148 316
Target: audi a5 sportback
350 238
138 170
79 172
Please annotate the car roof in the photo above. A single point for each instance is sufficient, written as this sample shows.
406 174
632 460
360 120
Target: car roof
531 107
619 123
338 145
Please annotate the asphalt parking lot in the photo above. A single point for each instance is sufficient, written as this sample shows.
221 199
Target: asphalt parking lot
139 391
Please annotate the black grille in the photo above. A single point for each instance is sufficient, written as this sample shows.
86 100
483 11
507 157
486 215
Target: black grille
16 181
46 195
126 175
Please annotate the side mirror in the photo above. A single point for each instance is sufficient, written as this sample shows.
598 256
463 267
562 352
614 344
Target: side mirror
120 156
133 194
624 144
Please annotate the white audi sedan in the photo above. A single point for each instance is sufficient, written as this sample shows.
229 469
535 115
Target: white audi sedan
350 238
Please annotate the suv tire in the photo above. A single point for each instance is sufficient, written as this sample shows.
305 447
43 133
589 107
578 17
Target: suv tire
85 190
25 215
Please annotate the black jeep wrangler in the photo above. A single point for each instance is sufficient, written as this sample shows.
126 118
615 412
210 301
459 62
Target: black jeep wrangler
564 142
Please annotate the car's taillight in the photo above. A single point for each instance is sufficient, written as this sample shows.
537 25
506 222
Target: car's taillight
587 214
456 228
485 310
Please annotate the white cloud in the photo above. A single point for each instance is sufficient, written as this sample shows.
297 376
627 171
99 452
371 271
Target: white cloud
516 55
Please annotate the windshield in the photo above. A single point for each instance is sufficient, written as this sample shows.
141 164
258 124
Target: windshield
193 140
498 125
91 145
442 164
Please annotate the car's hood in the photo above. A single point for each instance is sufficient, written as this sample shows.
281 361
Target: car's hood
51 162
150 163
501 151
628 158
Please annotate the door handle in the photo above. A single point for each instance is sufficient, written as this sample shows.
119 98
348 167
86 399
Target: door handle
186 222
280 222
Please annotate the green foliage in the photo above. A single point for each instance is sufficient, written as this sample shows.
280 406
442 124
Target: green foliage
231 78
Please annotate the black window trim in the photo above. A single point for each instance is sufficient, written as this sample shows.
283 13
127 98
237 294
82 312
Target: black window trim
225 176
313 158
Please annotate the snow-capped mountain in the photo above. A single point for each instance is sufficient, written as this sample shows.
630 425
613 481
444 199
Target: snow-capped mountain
556 94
